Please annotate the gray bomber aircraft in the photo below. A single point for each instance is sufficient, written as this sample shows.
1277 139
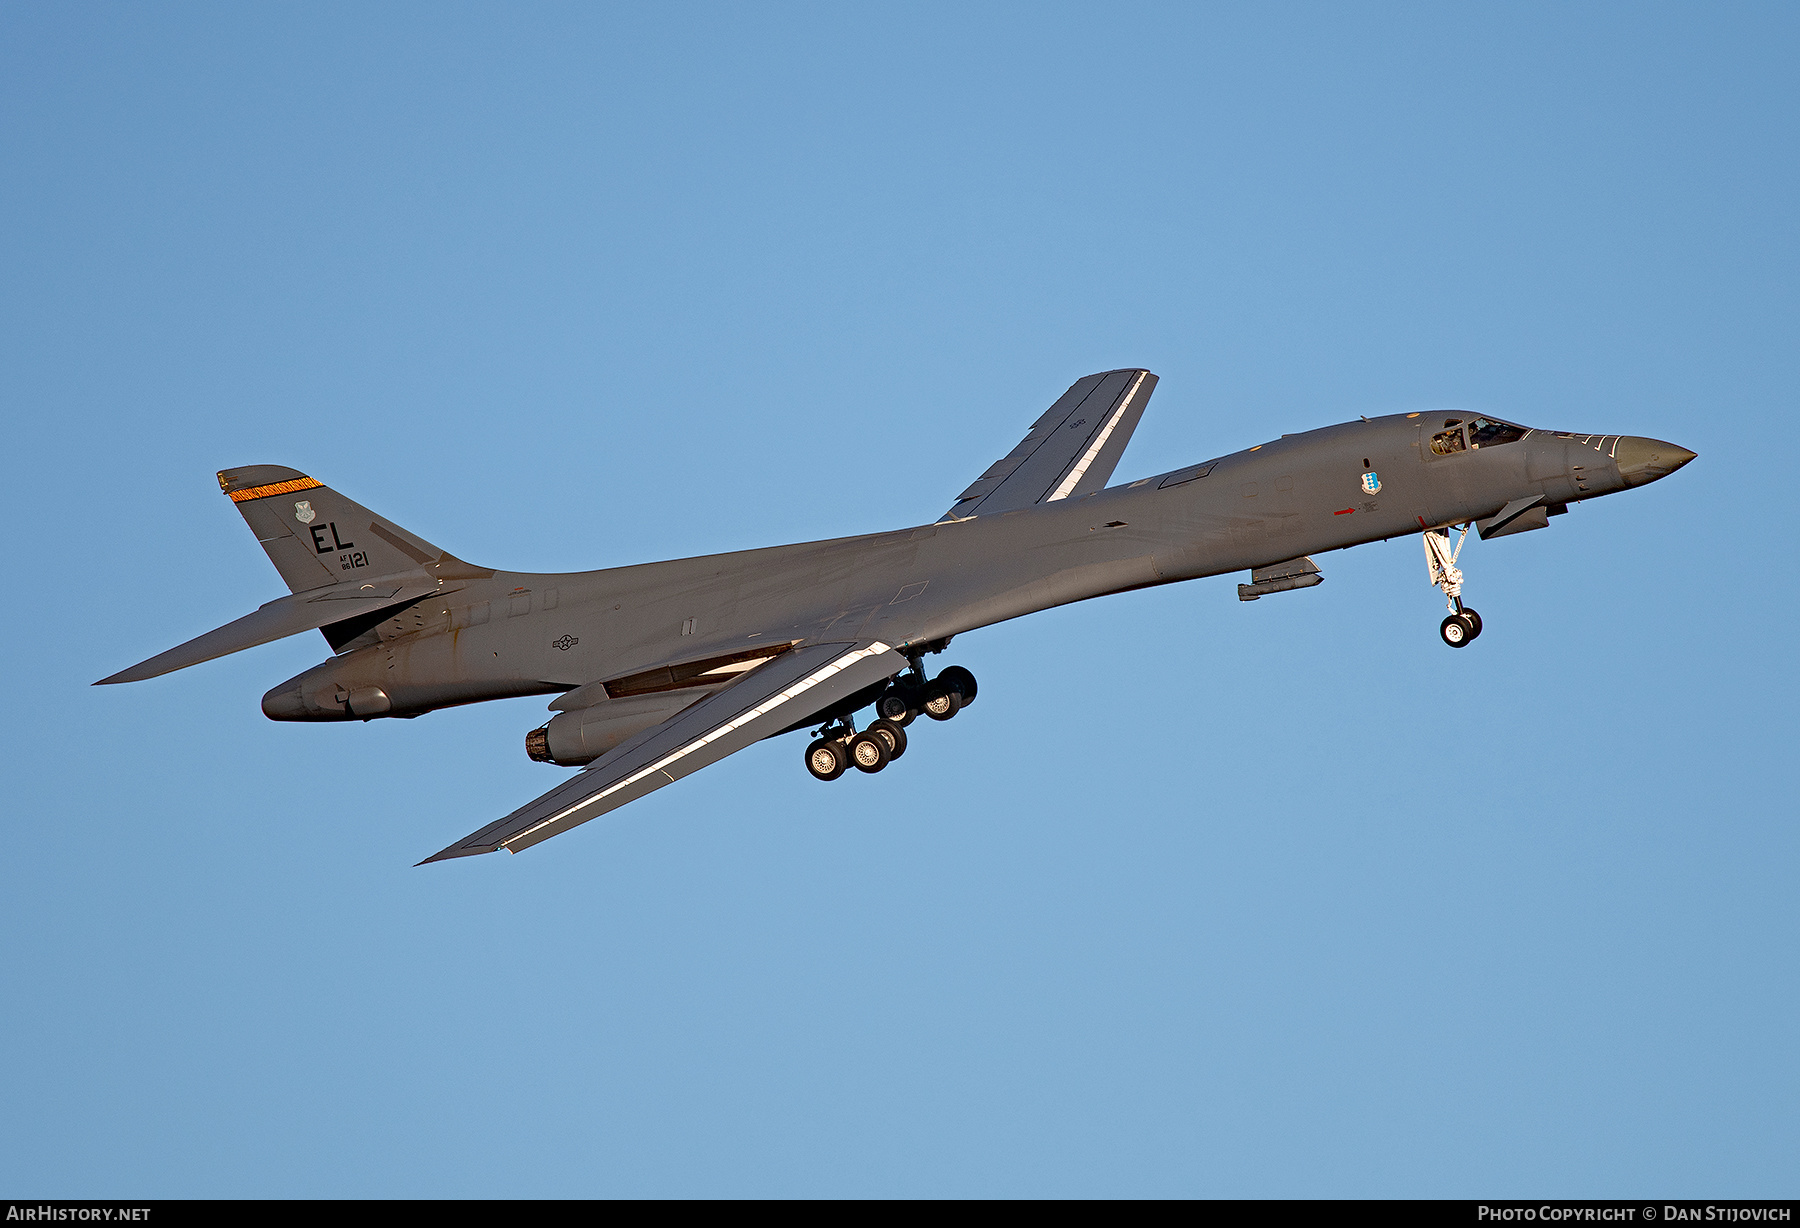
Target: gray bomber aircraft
662 668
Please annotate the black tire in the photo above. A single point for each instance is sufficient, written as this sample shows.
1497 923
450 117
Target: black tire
826 759
893 706
893 734
1474 619
868 752
1457 631
961 681
940 702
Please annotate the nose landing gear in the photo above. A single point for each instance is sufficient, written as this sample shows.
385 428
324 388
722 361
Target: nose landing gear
1459 629
1463 624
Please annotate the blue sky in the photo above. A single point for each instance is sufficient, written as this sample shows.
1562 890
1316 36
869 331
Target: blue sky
1202 898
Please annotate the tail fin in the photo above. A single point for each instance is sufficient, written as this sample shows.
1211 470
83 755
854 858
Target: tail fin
343 564
314 535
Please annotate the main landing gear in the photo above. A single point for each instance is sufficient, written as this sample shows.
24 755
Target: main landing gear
838 747
1463 624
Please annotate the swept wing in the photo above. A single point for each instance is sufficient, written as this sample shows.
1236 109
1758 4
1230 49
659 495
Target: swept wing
1070 451
765 701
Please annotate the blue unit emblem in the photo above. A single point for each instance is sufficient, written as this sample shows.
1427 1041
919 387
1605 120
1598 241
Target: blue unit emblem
1371 482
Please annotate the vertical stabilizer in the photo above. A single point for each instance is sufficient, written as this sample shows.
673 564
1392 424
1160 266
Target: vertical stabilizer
314 535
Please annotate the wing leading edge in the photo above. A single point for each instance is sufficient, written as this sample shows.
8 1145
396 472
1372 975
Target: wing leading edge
1071 450
763 702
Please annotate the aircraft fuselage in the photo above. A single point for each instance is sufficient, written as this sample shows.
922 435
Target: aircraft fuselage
515 634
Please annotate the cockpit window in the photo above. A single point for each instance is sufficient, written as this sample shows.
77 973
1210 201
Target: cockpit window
1485 432
1448 442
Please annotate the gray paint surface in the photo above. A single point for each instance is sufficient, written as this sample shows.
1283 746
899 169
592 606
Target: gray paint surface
759 642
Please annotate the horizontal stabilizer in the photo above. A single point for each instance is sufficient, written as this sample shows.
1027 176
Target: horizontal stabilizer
287 616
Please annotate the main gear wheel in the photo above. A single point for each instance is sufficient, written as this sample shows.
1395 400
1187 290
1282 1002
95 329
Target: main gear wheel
826 759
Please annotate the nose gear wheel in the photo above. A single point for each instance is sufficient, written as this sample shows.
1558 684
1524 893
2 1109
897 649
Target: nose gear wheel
1463 624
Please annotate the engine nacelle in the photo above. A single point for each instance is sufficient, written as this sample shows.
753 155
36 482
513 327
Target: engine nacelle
574 739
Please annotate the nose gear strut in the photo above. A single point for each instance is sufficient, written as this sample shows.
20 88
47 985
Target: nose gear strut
1463 624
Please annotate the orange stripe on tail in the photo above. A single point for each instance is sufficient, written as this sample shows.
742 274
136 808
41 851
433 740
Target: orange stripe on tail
274 488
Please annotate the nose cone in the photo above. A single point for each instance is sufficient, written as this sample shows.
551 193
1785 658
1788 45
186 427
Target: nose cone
1644 460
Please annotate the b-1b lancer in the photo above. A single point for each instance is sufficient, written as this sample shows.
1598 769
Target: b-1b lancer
660 669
